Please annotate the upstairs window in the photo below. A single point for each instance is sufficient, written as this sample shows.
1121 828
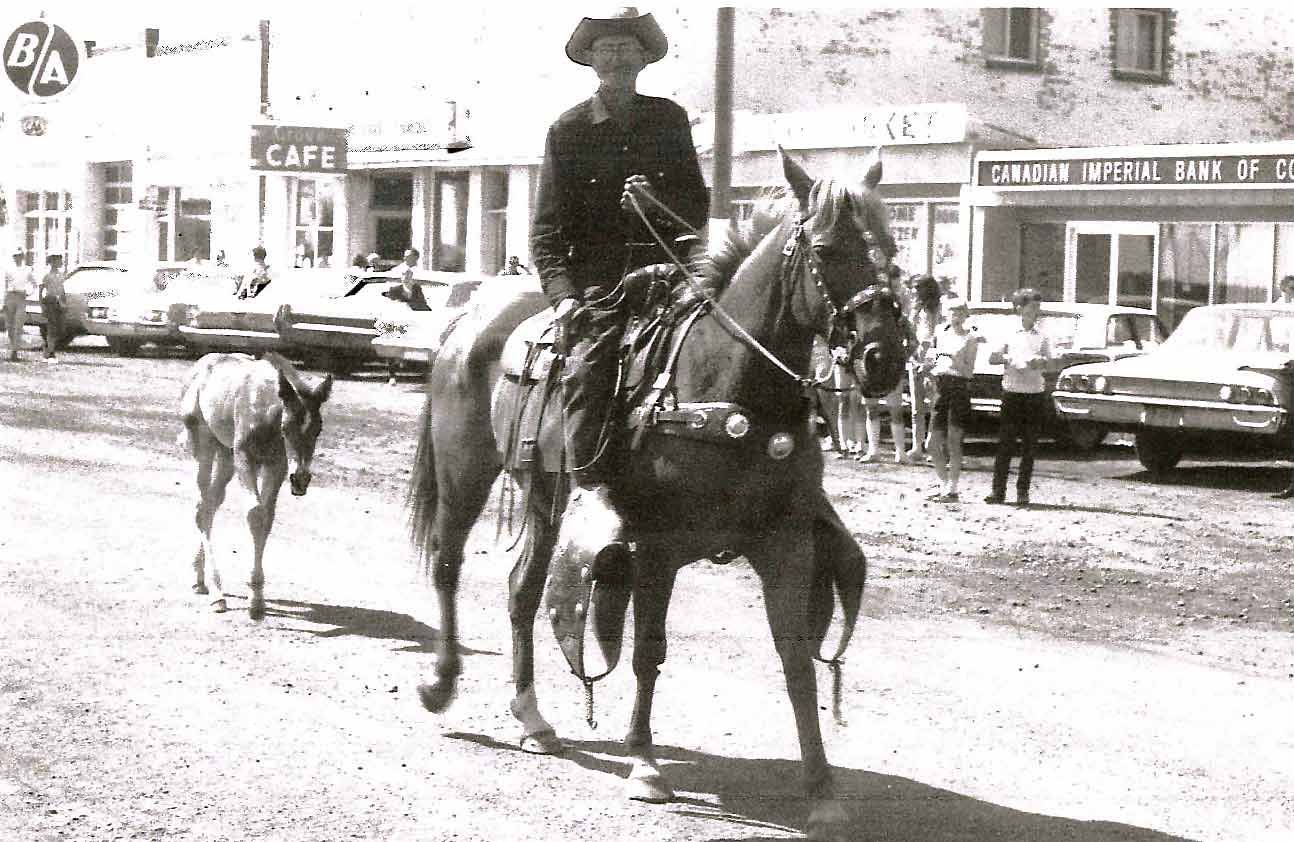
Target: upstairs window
1011 37
1139 44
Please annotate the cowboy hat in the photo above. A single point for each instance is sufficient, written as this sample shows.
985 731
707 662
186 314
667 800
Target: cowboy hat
625 21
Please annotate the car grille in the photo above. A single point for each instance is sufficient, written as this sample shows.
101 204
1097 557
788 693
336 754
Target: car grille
1154 388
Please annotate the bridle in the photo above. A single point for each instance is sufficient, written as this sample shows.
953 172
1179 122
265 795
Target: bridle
796 252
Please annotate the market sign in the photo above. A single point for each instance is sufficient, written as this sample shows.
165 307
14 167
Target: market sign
831 128
1138 171
298 149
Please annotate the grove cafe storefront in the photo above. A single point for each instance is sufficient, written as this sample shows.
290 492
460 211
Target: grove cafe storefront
1165 227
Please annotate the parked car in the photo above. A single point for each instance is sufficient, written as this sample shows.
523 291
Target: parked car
86 285
412 338
218 320
1226 372
337 334
1079 333
138 315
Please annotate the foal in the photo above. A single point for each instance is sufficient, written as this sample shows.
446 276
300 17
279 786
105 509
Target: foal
259 419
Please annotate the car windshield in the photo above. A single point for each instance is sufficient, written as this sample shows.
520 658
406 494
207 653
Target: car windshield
1216 329
186 283
93 277
997 327
1132 329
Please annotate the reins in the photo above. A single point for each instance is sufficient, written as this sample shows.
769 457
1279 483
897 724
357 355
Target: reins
794 254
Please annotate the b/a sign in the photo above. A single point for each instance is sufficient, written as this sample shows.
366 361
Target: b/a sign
42 60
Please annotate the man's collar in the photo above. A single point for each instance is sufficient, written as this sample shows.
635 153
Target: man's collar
598 112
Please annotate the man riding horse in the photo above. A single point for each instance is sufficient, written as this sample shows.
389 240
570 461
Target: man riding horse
611 152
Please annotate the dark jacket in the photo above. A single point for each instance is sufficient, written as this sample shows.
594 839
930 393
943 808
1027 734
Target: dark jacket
415 299
579 234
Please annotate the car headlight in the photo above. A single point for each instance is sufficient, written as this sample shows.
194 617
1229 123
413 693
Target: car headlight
96 312
1240 394
1101 384
191 313
1225 393
1065 383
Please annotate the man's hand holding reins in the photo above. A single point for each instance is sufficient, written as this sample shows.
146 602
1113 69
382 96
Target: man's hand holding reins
642 187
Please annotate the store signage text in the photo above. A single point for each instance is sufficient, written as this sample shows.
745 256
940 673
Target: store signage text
934 123
1226 170
298 149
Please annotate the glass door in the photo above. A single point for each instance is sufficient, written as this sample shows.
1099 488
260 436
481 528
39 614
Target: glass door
1112 263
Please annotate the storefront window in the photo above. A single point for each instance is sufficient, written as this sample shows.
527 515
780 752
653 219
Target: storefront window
1244 263
1184 262
48 225
907 225
947 257
451 223
118 199
1042 264
392 215
1284 255
313 221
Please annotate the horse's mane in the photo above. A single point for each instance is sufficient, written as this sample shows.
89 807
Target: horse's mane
717 268
826 201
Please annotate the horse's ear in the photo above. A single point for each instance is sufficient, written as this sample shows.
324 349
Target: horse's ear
286 393
801 182
874 169
324 389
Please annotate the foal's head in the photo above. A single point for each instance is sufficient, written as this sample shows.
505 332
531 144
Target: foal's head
300 426
847 229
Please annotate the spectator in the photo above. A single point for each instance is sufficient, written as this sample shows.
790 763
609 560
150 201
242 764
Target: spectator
1286 290
1023 357
407 263
53 303
372 261
869 409
259 276
360 262
17 283
515 267
953 366
927 312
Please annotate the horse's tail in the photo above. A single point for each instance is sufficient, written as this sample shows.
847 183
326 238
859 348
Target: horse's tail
840 569
423 492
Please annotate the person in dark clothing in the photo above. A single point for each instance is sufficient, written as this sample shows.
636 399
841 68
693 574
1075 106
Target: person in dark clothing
53 304
586 235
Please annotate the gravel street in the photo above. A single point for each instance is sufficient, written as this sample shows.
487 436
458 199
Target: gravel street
1116 663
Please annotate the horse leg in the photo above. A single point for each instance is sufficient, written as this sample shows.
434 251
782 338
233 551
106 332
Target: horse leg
260 520
213 496
525 590
785 566
245 467
460 499
653 586
202 515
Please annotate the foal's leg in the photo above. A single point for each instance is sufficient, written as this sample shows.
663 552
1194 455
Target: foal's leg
785 565
525 589
203 454
260 520
653 586
246 468
213 495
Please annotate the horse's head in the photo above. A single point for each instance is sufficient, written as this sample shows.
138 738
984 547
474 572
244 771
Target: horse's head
300 426
846 231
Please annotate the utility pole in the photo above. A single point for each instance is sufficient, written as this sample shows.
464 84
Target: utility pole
264 106
721 177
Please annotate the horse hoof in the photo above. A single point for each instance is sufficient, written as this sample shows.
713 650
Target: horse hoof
436 697
828 822
542 742
649 787
256 610
200 588
219 606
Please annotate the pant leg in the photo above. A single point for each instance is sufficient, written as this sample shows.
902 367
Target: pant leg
1030 426
588 381
52 309
1008 432
15 311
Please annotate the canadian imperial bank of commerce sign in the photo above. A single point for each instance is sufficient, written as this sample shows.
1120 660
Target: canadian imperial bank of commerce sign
298 149
1142 171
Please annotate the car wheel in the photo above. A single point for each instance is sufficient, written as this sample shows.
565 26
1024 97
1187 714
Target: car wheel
1159 451
1082 436
124 347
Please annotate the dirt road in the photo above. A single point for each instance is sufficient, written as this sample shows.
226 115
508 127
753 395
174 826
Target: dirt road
1117 664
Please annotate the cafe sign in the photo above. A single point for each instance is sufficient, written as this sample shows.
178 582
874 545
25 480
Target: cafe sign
299 149
1173 171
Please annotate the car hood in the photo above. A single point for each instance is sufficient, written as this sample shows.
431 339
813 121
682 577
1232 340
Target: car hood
1062 359
1246 368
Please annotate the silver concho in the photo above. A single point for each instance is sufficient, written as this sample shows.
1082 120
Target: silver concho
736 425
781 445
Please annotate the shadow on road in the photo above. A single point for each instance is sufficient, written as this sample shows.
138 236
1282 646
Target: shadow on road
364 622
765 793
1266 478
1099 510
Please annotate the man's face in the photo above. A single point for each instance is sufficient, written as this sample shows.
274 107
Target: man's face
617 59
1029 313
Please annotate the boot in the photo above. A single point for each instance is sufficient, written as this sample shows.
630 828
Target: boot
1285 493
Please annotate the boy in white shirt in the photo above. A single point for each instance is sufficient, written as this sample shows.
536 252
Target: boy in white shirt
1023 358
953 367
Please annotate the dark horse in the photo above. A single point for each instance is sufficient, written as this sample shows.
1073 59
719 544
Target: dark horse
796 273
